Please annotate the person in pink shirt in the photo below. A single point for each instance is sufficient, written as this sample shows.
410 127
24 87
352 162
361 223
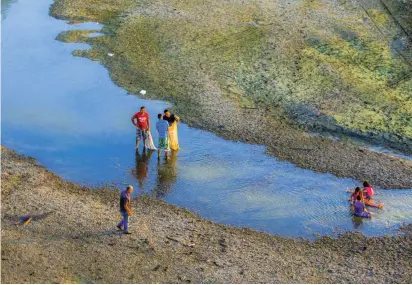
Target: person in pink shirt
368 193
368 190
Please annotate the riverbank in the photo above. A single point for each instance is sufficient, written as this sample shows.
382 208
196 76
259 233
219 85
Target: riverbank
213 86
72 239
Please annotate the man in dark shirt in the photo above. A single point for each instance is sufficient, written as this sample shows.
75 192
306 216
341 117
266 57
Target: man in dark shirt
125 209
170 118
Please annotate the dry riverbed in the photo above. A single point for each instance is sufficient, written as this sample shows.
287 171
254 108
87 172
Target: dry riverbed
72 239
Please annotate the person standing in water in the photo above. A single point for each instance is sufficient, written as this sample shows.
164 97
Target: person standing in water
162 127
173 120
125 209
141 120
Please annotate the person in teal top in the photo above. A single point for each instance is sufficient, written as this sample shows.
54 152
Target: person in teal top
162 127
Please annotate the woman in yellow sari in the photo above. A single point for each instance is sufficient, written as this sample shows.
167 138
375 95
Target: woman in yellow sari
173 120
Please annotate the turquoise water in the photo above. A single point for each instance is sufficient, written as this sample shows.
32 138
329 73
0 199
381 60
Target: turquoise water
66 112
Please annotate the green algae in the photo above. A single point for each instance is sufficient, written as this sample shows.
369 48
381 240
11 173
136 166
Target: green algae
75 36
89 10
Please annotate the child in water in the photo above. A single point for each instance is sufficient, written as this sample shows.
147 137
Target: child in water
357 193
369 192
365 196
360 210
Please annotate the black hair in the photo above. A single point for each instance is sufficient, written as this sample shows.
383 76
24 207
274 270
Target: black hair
359 197
143 107
166 110
366 184
357 189
159 116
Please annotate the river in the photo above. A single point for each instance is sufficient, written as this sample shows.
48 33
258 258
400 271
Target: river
67 113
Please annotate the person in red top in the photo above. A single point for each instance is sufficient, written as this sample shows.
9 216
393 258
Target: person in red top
358 192
142 122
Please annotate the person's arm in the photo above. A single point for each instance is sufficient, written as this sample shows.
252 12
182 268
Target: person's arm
148 122
362 197
133 118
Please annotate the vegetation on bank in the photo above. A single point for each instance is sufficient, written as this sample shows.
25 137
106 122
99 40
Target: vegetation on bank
338 66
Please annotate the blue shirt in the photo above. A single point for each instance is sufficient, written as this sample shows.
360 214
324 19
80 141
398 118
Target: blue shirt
162 128
124 200
359 208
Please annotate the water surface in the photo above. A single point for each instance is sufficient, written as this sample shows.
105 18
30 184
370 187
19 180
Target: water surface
66 112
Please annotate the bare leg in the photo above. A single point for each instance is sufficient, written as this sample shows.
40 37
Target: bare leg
137 143
166 153
158 152
144 143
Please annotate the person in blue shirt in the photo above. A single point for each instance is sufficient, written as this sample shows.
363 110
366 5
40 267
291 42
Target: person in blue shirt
162 127
125 209
360 210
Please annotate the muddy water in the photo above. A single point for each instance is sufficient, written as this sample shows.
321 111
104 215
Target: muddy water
66 112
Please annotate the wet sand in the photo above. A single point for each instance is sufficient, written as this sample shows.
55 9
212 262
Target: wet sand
72 238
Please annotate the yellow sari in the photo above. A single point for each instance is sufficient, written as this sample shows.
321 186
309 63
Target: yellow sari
173 138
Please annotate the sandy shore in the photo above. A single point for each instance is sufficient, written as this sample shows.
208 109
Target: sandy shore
72 239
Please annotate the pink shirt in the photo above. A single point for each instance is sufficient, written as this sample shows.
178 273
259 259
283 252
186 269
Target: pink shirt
369 190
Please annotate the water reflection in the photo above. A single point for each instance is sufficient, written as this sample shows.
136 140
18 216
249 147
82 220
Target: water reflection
357 222
166 175
142 166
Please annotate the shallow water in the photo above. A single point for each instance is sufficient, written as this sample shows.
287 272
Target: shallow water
66 112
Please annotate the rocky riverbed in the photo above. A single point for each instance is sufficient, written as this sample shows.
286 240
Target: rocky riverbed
72 238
